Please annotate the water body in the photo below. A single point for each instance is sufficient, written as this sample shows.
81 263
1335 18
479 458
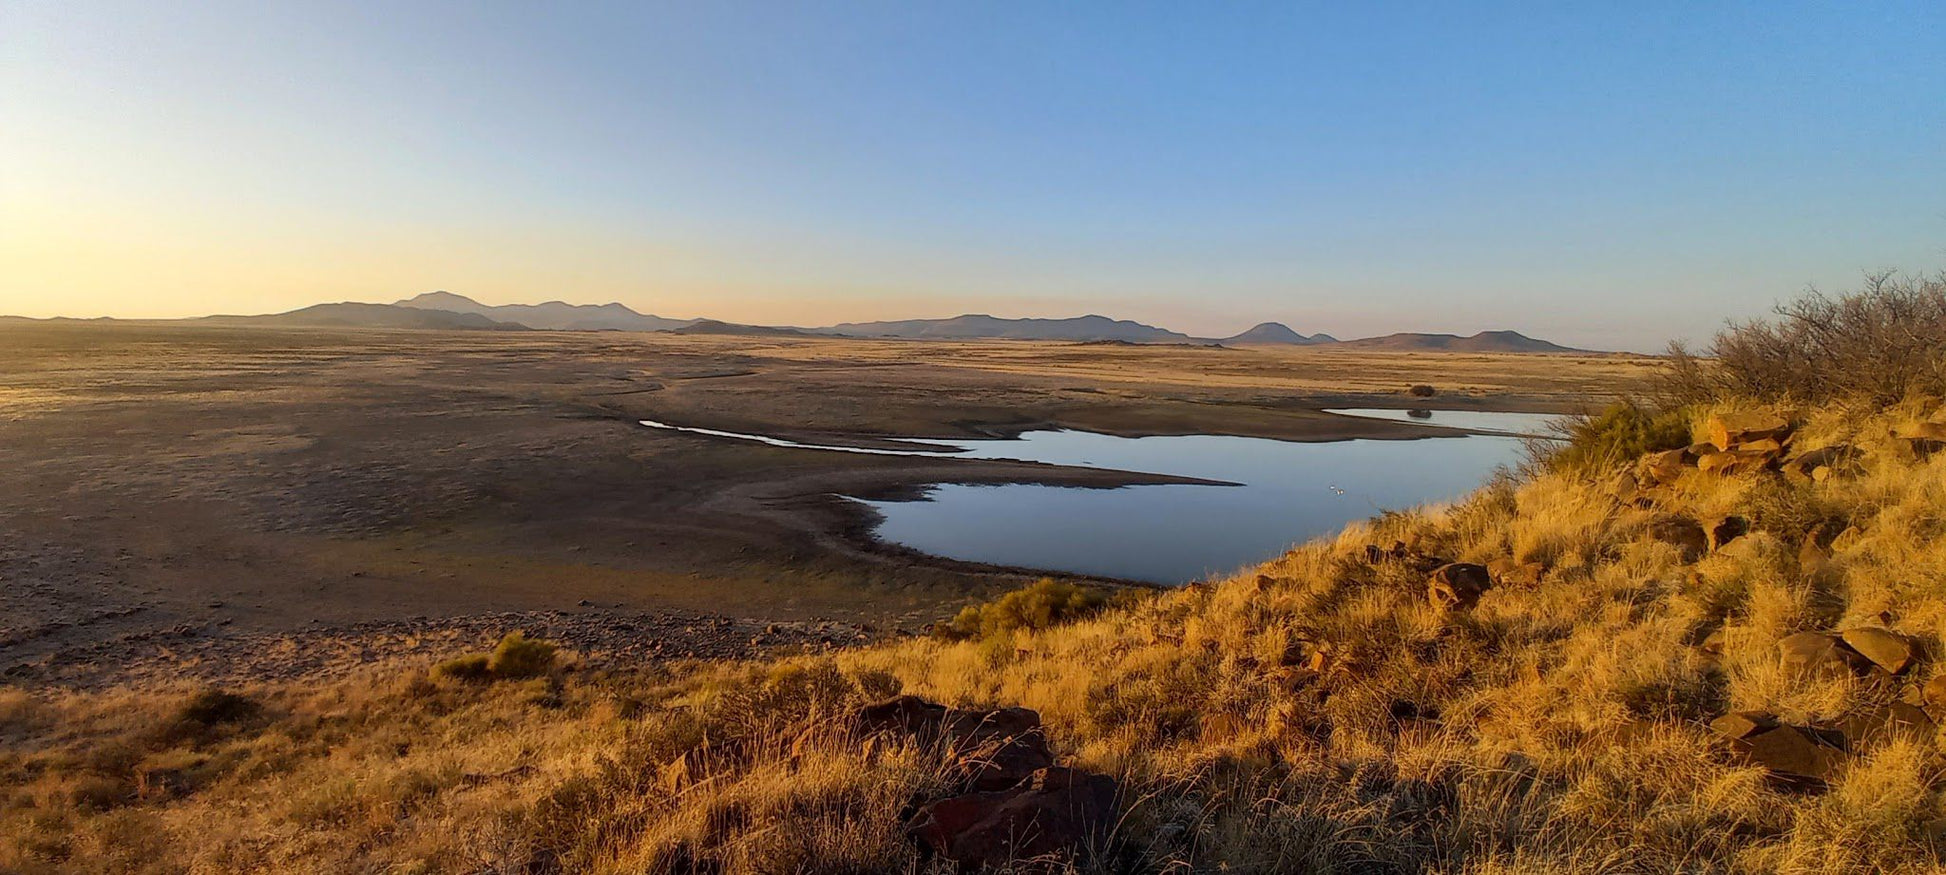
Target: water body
1289 493
1536 424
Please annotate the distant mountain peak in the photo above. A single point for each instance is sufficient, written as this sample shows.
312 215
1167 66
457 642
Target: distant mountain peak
972 326
1271 332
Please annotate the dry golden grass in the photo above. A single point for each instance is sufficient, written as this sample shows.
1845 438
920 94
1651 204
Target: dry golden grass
1558 727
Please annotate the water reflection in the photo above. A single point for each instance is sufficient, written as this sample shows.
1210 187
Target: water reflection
1290 492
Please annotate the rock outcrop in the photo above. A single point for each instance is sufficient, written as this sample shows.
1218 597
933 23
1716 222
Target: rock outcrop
1458 585
1009 801
1057 812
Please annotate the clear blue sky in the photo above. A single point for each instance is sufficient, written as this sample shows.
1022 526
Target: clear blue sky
1602 174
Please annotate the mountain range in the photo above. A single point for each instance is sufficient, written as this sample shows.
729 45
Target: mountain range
551 316
448 311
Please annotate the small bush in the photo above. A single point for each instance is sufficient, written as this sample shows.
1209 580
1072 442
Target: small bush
517 656
1047 603
202 714
471 667
211 707
1423 391
1623 432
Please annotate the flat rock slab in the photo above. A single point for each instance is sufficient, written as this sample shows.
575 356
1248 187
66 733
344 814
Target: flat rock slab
1885 648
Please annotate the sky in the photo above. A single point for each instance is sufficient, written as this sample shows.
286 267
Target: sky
1601 174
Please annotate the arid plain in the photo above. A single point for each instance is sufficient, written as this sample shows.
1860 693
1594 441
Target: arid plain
198 501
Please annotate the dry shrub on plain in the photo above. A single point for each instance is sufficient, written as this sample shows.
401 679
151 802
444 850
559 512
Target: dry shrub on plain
1880 343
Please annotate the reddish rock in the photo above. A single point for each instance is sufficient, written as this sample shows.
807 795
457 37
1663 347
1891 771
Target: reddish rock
1001 763
1458 585
1057 812
975 727
907 715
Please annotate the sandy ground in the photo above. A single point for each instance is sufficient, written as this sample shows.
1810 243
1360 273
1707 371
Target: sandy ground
200 502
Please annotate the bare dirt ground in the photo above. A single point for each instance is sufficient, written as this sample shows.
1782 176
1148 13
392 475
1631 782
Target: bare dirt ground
199 501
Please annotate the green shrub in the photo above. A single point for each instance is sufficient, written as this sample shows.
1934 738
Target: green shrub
1047 603
517 656
471 667
1619 434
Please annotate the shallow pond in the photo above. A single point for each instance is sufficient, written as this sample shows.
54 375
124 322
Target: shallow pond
1288 492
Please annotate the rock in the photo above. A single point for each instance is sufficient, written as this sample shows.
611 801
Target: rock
1727 430
1880 724
1816 653
1726 529
904 715
1626 486
1836 460
998 764
1506 571
1933 694
1056 812
1682 533
1767 446
976 727
1458 585
1815 552
1663 467
1739 725
1804 759
1731 462
1885 648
